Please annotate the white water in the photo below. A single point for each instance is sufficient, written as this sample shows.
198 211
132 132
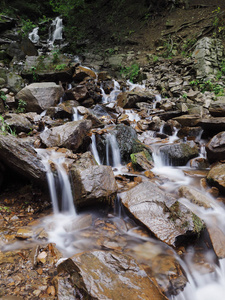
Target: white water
76 115
107 98
55 31
67 205
158 99
33 36
112 151
94 149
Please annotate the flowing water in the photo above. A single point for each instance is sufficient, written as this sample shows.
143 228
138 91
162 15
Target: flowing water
33 36
55 31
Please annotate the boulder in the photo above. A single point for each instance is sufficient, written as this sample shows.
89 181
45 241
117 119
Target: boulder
109 275
195 196
216 176
160 212
215 148
217 108
82 72
69 135
179 154
18 122
212 125
188 120
40 96
129 99
91 183
20 155
142 160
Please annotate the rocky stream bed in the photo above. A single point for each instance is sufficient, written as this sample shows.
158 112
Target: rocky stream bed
142 163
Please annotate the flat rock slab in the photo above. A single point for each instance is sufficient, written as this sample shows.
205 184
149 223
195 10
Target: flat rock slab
162 214
109 275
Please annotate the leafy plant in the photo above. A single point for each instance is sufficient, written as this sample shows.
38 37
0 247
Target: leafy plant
208 85
60 67
5 128
131 72
219 22
34 74
55 55
27 26
21 106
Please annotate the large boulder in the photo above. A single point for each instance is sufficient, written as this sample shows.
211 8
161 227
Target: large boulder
179 154
19 154
129 99
108 275
215 148
70 135
40 96
92 183
160 212
18 122
217 108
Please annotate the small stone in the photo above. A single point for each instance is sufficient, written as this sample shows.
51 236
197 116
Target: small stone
36 293
51 290
24 233
42 257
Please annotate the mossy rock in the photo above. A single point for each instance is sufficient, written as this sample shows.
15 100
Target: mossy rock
142 160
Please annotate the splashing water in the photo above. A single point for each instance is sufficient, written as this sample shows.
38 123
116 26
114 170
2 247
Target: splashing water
113 95
94 149
67 205
55 31
33 36
112 151
76 115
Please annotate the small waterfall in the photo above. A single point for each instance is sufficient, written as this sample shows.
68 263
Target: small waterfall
33 36
59 186
158 99
112 151
76 115
94 149
55 31
113 95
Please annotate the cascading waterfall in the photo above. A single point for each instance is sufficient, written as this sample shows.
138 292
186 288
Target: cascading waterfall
112 151
94 149
33 36
63 188
76 115
55 31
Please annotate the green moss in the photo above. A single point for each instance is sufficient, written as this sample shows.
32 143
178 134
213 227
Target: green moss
198 223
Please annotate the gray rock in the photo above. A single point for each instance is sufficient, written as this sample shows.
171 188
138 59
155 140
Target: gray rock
215 148
179 154
92 184
18 122
217 108
69 135
40 96
162 214
20 155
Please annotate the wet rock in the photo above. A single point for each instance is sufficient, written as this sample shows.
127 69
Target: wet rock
24 233
40 96
166 218
15 82
192 132
217 238
217 108
142 160
160 264
129 99
215 148
195 196
82 72
69 135
95 184
20 155
109 275
216 176
212 125
188 120
18 122
179 154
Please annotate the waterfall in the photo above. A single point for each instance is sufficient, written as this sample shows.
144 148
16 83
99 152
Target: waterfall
94 149
158 99
55 31
59 186
112 151
33 36
113 95
210 285
76 115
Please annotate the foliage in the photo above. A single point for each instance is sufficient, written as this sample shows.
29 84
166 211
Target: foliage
219 22
21 106
55 55
5 128
34 74
131 72
60 67
64 7
209 85
221 71
27 26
